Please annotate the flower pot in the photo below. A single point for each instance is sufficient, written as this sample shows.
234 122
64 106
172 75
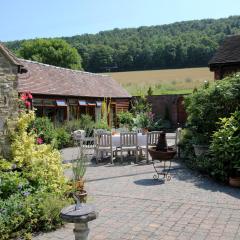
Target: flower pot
200 149
234 181
162 155
144 131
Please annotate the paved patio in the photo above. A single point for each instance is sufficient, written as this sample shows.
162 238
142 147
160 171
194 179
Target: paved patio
132 205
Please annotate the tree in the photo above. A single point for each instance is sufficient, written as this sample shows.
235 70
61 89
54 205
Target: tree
101 59
55 52
183 44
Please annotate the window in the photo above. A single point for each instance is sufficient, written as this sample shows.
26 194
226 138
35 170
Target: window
99 103
92 104
73 101
37 102
61 103
82 102
49 102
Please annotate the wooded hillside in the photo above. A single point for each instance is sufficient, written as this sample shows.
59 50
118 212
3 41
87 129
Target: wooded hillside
177 45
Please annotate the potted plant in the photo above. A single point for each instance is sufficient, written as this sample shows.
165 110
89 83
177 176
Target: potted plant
161 151
79 170
143 121
200 144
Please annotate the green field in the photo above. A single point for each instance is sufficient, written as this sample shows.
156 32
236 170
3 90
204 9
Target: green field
170 81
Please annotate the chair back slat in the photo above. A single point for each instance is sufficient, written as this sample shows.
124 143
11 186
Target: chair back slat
128 139
103 139
152 137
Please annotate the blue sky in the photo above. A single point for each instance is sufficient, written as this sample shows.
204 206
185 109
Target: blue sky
53 18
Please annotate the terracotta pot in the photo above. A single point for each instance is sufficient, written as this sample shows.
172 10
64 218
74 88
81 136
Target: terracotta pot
234 181
160 155
200 149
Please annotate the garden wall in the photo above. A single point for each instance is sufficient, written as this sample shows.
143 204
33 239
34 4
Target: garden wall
8 100
169 107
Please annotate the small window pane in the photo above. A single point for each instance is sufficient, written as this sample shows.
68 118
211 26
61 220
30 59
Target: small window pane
91 104
73 101
99 103
82 102
61 103
37 102
49 102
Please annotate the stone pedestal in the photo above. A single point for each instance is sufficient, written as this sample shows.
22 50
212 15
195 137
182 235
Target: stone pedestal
80 216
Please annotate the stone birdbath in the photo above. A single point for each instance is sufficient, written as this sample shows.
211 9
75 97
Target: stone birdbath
79 214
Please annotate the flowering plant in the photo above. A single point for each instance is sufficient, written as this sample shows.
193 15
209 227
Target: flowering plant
26 100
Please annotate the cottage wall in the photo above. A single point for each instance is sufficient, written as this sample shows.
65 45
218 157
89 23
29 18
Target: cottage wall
8 100
224 71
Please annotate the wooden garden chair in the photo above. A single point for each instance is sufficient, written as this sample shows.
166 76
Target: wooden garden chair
128 143
103 144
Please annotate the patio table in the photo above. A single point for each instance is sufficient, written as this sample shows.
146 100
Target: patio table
142 140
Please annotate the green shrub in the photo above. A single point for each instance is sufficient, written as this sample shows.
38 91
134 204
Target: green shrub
186 145
140 105
39 163
143 120
125 118
32 184
62 137
43 128
11 183
205 106
73 125
20 214
101 124
225 147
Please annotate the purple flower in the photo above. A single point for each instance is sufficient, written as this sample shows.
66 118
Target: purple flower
26 193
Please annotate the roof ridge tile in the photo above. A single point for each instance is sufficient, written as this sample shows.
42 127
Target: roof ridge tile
63 68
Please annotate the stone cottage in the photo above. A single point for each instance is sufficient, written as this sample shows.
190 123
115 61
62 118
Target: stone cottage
10 67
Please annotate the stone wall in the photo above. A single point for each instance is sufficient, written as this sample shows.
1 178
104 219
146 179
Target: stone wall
8 100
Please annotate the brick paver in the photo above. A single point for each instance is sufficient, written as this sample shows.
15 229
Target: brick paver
132 205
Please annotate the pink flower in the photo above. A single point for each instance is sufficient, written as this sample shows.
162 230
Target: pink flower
27 104
29 95
39 140
23 96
